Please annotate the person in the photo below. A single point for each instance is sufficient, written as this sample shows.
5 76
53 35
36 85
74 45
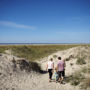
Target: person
50 68
60 69
64 68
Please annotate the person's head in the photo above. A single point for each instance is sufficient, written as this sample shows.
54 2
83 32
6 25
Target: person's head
51 59
59 58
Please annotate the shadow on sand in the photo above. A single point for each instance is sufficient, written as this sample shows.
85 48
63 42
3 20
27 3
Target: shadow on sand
43 72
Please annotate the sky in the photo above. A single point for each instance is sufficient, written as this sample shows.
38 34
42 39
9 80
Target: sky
44 21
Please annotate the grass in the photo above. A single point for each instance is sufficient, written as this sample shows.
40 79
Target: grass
81 61
79 78
3 48
55 56
75 79
86 83
34 52
71 64
86 70
67 59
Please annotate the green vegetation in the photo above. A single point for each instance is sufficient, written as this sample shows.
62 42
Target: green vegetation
80 61
86 83
75 79
34 52
3 48
54 56
85 70
67 59
79 77
71 64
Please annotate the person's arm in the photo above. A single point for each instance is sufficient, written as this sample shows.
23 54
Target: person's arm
53 68
64 64
46 67
57 67
53 65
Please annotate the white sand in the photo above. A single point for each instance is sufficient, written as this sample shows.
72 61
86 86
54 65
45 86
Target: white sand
35 81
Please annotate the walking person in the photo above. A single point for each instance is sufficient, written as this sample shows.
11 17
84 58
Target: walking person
50 68
64 67
60 69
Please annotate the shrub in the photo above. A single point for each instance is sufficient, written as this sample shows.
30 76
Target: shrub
75 79
2 50
75 82
54 56
71 64
71 56
80 61
67 59
86 83
86 70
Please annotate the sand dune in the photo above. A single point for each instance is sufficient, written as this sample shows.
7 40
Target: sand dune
12 78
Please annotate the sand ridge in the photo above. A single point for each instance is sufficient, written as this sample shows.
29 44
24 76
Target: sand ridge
34 81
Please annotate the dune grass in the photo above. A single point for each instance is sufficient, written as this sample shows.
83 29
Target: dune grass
34 52
86 69
81 77
75 79
80 61
86 84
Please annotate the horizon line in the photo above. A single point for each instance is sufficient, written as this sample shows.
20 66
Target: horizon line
38 43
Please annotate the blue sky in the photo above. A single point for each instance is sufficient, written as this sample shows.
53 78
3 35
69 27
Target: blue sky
44 21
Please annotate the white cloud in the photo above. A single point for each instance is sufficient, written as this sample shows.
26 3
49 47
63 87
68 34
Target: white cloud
13 24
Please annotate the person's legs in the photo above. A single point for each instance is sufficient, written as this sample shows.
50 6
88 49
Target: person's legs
50 74
59 74
62 74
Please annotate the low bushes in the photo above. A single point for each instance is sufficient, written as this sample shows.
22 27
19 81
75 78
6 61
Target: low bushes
86 70
55 56
75 79
86 83
80 61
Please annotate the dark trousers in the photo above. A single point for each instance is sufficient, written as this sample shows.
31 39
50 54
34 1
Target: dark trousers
50 73
61 73
64 73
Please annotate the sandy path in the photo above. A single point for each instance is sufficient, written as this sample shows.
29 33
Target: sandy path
43 83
